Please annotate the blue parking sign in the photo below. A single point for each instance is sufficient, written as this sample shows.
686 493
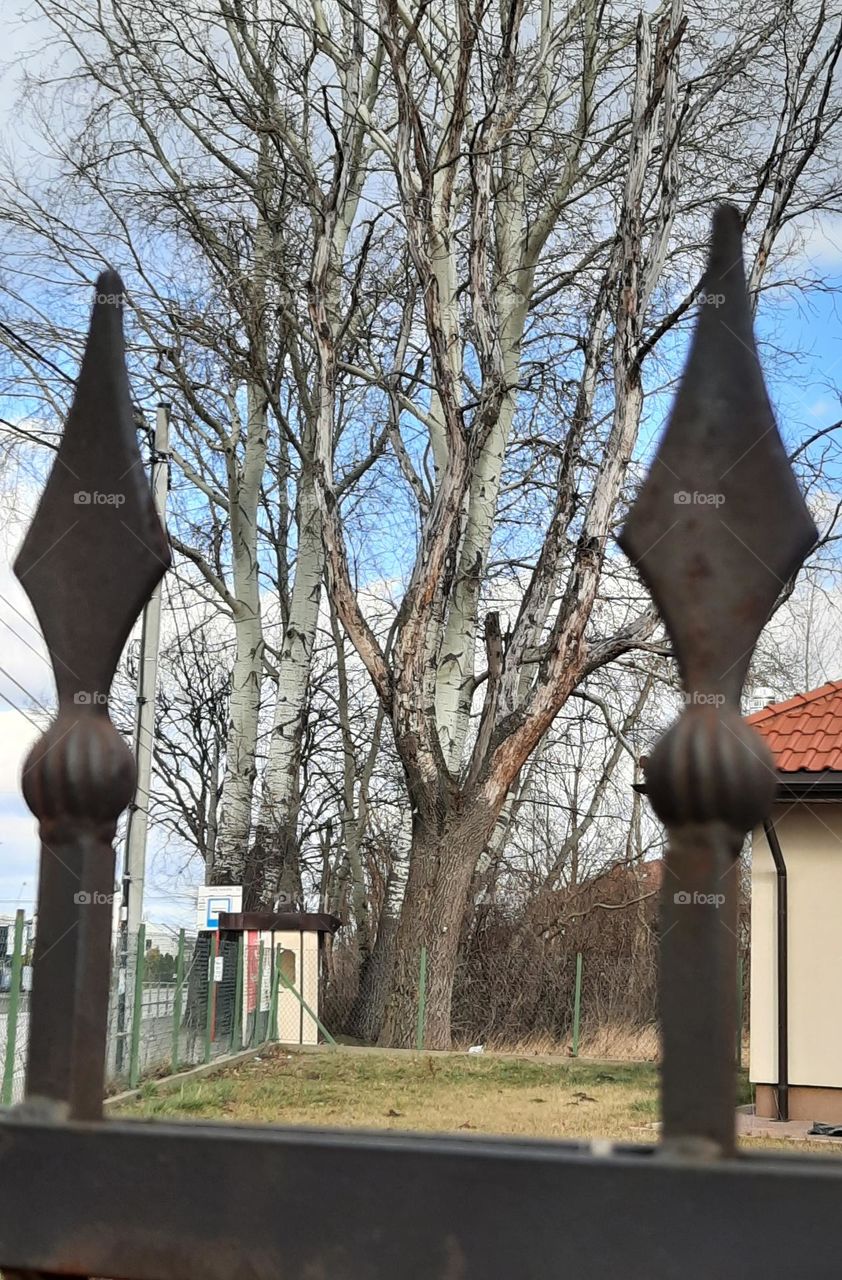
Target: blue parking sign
212 900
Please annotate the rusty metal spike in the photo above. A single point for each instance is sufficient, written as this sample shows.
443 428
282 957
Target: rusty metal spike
719 525
716 532
91 558
95 549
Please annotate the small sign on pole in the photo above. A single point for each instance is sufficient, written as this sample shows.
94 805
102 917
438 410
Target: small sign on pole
215 898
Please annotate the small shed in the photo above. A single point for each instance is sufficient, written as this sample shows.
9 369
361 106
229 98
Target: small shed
796 914
293 940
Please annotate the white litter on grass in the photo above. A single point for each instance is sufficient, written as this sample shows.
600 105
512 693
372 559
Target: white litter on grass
477 1048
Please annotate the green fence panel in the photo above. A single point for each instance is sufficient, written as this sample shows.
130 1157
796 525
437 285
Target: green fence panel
272 1029
577 1005
12 1014
177 1001
258 997
137 1007
211 996
305 1006
237 1019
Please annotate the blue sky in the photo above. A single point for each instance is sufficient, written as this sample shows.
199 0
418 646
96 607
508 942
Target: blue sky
803 389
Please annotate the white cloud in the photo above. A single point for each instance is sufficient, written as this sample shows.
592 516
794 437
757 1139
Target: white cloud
26 687
819 241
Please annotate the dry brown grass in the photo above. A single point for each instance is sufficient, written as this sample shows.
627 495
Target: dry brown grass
611 1042
424 1093
451 1093
621 1043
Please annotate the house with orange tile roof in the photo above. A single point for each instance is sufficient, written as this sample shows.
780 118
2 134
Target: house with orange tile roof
796 914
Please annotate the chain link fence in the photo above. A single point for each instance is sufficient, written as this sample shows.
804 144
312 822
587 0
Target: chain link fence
520 994
217 994
209 995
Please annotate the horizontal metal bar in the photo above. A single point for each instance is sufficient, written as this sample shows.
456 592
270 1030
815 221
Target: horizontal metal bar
138 1201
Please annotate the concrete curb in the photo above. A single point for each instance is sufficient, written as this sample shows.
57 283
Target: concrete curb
194 1073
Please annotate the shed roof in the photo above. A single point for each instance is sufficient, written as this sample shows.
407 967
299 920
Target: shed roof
804 733
279 921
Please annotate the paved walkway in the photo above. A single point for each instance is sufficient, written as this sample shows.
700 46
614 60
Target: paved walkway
752 1126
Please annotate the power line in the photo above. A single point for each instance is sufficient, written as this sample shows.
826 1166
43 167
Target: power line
20 613
23 640
37 701
21 711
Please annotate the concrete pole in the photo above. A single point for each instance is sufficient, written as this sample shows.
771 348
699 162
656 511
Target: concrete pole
147 675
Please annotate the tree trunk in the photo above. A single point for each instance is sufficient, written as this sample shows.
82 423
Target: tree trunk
275 854
455 676
273 864
240 768
442 861
244 481
377 963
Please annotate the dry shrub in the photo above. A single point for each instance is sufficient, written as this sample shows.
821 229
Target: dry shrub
621 1043
515 984
340 977
515 980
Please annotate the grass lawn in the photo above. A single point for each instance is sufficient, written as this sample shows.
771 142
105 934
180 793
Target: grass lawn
448 1093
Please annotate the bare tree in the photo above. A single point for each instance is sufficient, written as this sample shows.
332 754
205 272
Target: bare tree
208 127
545 164
407 278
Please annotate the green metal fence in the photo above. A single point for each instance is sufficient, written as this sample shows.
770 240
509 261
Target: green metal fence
13 1056
186 1008
197 1012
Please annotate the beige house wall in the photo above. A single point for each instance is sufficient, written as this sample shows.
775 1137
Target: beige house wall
811 842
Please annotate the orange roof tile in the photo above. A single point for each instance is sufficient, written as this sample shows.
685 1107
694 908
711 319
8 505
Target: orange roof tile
804 733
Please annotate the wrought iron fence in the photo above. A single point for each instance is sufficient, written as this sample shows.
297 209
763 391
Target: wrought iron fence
293 1203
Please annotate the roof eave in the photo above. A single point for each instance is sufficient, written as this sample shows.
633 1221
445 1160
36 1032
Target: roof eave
802 784
820 787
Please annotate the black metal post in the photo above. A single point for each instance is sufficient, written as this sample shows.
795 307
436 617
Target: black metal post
717 531
92 555
782 1091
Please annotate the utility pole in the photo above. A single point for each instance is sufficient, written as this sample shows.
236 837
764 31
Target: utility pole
137 826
